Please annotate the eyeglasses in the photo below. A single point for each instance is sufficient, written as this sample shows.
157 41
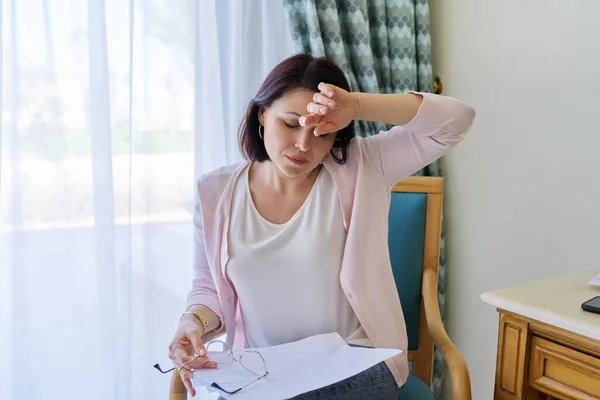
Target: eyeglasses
250 359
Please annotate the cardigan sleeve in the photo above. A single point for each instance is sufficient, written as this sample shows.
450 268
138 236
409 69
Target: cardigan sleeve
439 125
203 290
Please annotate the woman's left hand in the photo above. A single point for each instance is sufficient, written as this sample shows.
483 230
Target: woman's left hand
332 109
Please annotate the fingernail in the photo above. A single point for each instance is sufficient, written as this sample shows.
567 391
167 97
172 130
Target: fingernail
322 110
302 121
329 93
331 104
202 352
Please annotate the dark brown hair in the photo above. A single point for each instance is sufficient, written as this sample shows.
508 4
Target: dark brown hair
301 71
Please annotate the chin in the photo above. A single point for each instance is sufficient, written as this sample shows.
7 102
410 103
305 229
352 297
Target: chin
293 171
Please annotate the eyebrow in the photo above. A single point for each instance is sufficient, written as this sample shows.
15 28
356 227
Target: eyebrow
294 113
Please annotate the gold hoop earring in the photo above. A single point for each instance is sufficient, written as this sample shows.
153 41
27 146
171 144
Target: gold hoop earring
260 134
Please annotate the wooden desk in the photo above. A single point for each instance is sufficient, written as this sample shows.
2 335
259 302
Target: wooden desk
548 347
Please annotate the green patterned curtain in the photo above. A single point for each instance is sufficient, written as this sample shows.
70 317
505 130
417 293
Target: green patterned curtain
383 46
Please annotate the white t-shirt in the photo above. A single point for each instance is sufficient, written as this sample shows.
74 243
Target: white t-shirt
287 276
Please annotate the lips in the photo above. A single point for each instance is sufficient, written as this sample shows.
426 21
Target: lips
297 160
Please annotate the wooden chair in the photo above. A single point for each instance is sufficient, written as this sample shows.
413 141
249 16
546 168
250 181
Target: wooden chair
177 390
414 242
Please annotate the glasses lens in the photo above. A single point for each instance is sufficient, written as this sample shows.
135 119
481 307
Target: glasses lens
252 361
219 352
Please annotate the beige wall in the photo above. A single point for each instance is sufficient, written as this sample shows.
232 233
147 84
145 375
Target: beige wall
523 191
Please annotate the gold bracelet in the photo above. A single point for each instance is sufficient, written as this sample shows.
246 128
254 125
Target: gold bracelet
220 327
202 322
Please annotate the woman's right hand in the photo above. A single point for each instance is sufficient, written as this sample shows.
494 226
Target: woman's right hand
187 352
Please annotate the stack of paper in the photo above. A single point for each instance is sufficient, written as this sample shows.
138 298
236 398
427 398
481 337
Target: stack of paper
294 368
595 281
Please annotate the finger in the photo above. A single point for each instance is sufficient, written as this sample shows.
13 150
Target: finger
182 356
186 377
324 100
196 341
176 353
326 89
310 119
180 340
199 363
317 108
325 128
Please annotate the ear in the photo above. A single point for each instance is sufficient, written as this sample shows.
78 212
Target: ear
261 115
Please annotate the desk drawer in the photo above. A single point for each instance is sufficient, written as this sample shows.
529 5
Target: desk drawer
563 372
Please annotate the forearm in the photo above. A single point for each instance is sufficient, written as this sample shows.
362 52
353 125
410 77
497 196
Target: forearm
207 314
393 109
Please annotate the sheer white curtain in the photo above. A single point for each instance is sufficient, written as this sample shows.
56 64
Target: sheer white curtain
110 110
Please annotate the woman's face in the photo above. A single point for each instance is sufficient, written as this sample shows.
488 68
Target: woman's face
294 149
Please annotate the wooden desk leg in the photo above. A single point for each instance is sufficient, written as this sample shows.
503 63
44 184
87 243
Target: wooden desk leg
512 361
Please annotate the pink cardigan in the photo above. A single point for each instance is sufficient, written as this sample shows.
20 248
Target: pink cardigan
364 185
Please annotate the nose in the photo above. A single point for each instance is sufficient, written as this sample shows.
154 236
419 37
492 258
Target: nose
303 141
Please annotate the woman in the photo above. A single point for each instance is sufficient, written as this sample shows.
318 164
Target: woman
293 242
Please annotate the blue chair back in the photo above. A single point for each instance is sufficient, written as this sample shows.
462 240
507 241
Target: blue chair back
414 240
406 245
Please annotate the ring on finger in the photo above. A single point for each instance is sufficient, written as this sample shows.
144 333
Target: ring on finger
179 368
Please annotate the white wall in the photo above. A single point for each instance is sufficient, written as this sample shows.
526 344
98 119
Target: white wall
522 192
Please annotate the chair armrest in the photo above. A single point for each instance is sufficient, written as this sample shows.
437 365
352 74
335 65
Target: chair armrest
459 372
177 390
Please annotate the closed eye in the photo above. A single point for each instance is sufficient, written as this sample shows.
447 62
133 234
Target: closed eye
291 126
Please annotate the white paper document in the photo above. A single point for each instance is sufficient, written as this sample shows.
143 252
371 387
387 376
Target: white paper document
595 281
294 368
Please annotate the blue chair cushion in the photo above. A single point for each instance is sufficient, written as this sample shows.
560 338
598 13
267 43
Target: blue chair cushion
415 389
406 243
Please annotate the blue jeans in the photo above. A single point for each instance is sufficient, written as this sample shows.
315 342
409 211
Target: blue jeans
376 383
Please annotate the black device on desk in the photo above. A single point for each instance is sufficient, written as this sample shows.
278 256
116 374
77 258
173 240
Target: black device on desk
592 305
